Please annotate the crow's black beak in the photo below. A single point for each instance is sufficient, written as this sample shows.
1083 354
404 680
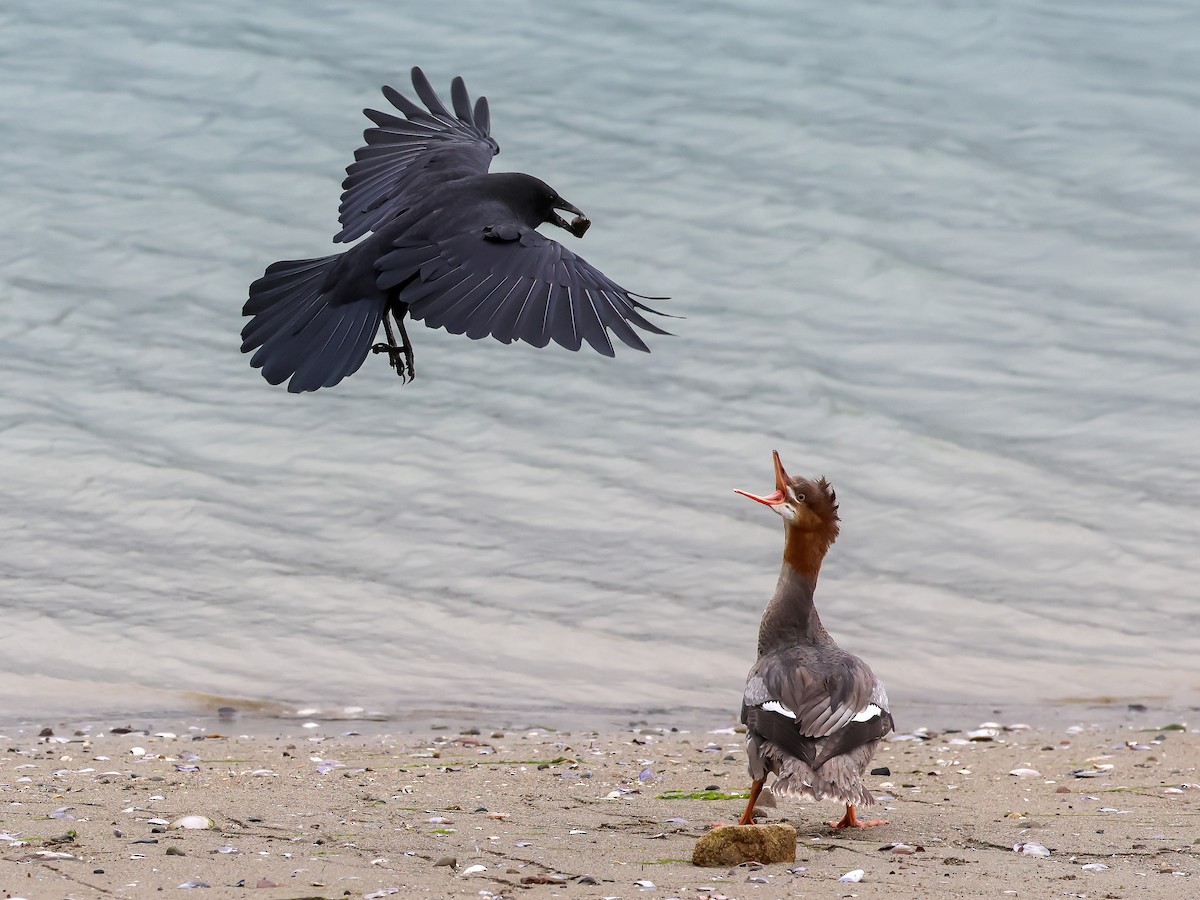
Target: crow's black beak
578 225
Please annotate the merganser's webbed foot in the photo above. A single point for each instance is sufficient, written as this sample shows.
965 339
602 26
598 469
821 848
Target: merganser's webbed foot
748 816
850 820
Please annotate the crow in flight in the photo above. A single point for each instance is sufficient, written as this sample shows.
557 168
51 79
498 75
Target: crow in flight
449 244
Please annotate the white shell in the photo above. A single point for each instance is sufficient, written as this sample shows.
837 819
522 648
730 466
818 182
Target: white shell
853 876
193 822
473 870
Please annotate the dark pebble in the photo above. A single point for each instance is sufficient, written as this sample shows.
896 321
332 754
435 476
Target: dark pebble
175 851
46 732
713 787
881 770
97 871
146 841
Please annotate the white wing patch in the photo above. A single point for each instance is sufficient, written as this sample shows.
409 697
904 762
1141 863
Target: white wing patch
869 713
776 707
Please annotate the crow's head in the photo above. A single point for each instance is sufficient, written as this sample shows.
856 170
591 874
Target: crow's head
537 202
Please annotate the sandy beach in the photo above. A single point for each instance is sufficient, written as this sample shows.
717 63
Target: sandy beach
334 809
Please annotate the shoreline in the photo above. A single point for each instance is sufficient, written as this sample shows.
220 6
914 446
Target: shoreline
368 809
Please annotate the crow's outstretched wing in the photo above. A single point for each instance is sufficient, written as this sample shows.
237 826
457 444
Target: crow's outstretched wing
403 157
512 283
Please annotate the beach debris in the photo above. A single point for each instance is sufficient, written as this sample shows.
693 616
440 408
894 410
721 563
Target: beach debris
881 770
1030 848
1094 867
382 892
586 879
729 845
901 848
228 850
576 831
175 851
194 822
853 876
1026 773
556 878
524 843
645 884
194 884
473 870
63 812
986 732
1091 772
446 861
55 854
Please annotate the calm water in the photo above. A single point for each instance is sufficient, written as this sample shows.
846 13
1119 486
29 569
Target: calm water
944 255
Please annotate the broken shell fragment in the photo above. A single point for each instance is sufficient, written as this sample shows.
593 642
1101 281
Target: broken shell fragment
1030 848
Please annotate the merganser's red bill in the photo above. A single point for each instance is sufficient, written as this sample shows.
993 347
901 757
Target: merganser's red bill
781 482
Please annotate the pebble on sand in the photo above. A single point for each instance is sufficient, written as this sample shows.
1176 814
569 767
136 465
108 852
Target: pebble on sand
729 845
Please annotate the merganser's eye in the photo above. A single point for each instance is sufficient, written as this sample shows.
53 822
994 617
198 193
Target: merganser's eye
793 496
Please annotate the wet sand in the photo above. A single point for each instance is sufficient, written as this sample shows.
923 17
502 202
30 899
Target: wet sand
326 812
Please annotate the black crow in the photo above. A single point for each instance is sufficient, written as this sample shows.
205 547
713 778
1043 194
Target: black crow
450 245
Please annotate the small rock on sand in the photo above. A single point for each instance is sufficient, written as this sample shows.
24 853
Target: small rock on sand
730 845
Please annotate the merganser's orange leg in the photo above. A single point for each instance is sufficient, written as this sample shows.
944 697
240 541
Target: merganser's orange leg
850 820
755 789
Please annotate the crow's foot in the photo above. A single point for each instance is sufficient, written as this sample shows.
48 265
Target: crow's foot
399 358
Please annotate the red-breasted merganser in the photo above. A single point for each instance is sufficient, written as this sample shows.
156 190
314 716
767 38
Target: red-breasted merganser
814 713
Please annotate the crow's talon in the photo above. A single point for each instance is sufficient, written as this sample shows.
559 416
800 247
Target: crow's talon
399 358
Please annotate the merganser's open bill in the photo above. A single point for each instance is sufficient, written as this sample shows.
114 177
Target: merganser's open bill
814 713
449 244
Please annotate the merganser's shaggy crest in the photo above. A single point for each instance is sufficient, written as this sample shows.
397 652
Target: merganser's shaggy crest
814 713
453 246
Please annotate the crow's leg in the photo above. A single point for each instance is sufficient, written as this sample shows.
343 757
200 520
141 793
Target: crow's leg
396 351
406 348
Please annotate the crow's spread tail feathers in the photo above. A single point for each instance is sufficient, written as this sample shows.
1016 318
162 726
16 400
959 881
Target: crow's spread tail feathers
309 325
